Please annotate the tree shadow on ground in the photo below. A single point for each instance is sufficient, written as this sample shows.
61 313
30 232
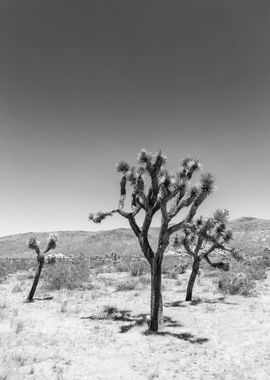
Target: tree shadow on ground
198 301
40 299
183 336
112 314
220 300
143 319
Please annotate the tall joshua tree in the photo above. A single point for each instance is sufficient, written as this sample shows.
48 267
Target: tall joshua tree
154 189
203 237
33 244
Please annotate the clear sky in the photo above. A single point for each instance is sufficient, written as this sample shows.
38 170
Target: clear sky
84 84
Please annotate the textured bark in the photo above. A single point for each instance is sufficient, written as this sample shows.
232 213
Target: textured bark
192 278
156 318
40 260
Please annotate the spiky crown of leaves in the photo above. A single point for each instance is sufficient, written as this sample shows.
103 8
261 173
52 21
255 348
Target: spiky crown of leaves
33 244
163 187
99 216
168 182
52 241
212 229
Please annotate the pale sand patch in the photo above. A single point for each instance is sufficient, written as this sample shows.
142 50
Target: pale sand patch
212 339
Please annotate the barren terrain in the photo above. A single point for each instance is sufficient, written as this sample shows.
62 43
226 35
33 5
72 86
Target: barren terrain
71 337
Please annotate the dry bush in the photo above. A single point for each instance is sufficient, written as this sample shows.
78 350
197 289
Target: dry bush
109 310
237 283
3 274
136 267
9 266
67 275
125 285
243 274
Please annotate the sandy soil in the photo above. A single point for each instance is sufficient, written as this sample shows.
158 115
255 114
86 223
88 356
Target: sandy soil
214 338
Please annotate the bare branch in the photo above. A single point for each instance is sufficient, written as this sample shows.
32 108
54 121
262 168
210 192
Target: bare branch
184 203
187 247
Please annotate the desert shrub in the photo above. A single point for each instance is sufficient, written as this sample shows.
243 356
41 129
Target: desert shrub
237 283
3 274
122 266
9 266
138 267
68 275
125 285
109 311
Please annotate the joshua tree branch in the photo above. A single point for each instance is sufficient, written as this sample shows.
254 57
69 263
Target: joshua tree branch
187 247
219 265
184 203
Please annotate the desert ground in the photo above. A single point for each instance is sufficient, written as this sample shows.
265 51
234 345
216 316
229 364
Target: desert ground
101 332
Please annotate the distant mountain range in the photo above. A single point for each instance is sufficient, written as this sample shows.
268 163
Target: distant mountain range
120 241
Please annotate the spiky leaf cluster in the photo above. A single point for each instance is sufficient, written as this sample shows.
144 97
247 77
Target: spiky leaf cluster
33 244
145 157
52 242
207 183
99 216
122 167
204 234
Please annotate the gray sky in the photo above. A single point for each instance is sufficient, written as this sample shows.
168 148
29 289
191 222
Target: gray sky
84 84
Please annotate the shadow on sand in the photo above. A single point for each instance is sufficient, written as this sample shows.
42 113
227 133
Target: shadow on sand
40 299
198 301
188 337
143 320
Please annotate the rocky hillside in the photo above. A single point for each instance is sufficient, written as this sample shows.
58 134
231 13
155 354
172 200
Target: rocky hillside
122 241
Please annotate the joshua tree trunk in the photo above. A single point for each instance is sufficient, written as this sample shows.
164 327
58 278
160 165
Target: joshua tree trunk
156 318
40 260
192 278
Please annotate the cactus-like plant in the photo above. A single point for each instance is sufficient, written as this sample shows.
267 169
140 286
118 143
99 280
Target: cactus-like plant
34 244
153 190
201 238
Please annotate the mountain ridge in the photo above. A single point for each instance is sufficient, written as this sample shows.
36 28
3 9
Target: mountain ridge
121 241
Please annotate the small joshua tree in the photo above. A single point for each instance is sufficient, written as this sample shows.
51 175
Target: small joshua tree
154 189
33 244
201 238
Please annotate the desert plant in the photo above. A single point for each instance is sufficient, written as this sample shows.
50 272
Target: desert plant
33 244
68 275
154 189
203 237
237 283
138 267
129 284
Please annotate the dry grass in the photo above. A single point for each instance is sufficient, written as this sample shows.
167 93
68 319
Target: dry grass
102 332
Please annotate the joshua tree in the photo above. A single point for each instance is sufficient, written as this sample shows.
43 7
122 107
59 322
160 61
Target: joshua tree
201 238
33 244
154 189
